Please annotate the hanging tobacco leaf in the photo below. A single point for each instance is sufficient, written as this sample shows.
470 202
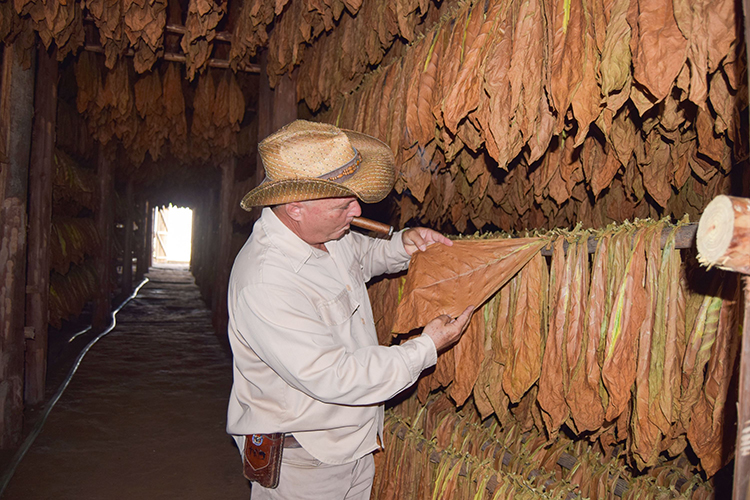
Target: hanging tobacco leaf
551 395
447 279
468 357
645 433
628 310
529 330
583 396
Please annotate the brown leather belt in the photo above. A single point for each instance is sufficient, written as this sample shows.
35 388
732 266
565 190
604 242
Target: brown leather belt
290 442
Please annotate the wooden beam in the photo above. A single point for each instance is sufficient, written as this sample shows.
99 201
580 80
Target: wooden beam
16 111
104 222
127 246
180 58
41 174
224 257
144 246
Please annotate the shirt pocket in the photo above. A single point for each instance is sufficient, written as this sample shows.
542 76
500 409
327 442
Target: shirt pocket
338 310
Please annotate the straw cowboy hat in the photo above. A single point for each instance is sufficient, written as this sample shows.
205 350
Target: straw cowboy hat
308 161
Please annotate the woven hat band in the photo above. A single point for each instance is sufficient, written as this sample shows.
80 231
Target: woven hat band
346 170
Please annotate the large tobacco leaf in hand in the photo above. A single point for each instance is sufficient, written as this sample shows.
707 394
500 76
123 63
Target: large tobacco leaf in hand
447 279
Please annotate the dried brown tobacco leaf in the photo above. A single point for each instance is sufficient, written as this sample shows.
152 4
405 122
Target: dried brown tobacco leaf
583 397
416 59
722 27
628 310
566 55
468 356
586 101
576 321
527 72
529 330
706 433
666 357
654 179
700 340
551 397
144 24
107 16
502 136
464 95
447 279
616 56
174 108
202 18
662 49
645 433
450 64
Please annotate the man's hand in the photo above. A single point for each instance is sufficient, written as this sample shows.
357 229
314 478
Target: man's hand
445 331
419 238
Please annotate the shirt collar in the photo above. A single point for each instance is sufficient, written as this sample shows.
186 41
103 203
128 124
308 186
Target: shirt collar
292 246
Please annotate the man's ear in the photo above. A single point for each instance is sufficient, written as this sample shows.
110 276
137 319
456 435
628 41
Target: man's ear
294 210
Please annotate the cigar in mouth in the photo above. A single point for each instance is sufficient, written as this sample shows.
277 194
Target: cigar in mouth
373 225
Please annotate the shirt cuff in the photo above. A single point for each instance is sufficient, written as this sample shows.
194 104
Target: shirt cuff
421 353
397 247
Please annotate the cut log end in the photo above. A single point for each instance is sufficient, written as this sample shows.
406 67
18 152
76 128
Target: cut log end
723 237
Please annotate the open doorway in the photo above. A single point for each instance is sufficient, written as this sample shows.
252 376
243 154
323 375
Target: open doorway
173 229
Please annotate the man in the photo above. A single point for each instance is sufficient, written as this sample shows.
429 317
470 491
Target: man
306 358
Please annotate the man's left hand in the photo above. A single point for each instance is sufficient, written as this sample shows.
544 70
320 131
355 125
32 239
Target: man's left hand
419 238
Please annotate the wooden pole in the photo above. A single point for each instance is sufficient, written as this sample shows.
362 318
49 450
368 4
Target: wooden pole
16 111
143 245
127 246
104 222
723 240
223 260
148 248
41 174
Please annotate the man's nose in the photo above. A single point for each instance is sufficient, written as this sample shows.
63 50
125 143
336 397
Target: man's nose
356 210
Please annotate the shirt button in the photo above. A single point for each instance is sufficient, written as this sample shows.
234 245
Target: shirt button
363 321
348 288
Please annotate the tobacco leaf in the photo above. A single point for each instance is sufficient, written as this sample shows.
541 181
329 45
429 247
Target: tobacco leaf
468 357
566 54
446 279
551 396
628 309
529 330
706 433
645 433
662 49
666 357
583 397
616 56
464 96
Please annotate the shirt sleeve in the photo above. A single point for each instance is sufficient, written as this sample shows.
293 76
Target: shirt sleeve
379 256
283 328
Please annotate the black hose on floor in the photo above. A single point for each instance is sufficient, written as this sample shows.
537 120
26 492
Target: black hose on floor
8 474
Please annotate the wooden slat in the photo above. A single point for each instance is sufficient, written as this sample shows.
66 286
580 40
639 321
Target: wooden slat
41 173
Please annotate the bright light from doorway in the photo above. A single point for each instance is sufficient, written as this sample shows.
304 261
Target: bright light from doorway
173 231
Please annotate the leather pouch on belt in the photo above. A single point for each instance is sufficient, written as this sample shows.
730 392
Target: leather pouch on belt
262 462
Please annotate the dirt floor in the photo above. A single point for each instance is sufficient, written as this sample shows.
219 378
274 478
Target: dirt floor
144 416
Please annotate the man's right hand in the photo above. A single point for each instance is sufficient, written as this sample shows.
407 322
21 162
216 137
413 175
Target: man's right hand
445 331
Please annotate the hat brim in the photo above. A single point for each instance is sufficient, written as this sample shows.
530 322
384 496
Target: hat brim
370 183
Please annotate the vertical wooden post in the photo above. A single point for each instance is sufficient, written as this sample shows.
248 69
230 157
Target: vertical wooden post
16 111
276 108
127 246
148 250
41 173
223 259
141 256
104 222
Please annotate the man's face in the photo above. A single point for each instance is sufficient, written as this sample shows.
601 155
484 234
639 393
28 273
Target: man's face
327 219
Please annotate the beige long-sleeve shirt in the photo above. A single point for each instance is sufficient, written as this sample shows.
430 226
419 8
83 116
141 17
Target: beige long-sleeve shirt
306 355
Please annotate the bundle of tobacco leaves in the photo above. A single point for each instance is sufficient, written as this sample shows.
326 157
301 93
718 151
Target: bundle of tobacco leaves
632 347
433 450
547 113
